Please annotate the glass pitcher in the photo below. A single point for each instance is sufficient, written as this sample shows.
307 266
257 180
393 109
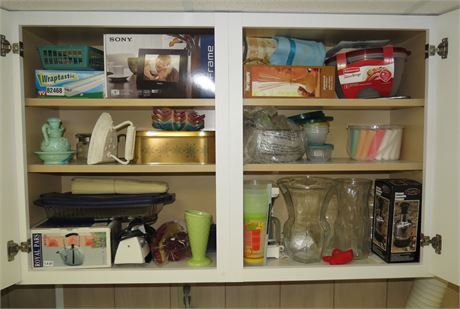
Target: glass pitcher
306 230
352 225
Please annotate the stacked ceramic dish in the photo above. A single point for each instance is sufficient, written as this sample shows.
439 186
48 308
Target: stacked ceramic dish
316 128
177 120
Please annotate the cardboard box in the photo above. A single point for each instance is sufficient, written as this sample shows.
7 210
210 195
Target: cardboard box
159 65
397 219
78 244
289 81
70 84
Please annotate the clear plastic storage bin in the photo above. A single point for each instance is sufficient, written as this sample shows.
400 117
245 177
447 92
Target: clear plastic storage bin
374 142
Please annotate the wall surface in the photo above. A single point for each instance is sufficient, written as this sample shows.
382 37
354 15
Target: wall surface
338 294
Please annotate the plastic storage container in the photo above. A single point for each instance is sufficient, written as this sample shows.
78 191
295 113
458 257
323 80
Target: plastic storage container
66 205
320 153
71 57
256 201
369 73
316 130
374 142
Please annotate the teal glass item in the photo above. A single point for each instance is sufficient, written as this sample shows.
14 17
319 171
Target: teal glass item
55 149
53 141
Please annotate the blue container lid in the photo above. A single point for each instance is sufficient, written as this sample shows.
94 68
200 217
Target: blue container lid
301 118
318 120
323 146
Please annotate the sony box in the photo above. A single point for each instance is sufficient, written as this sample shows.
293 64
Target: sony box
69 84
289 81
397 219
76 244
159 65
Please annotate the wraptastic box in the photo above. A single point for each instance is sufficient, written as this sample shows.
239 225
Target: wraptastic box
77 244
397 218
70 84
289 81
159 65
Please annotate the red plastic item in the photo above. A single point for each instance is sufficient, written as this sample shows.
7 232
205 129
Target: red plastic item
339 257
368 73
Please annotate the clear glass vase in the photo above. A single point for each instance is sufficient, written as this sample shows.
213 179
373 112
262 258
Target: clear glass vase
352 225
306 230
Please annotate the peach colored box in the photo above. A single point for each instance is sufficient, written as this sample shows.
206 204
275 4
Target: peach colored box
289 81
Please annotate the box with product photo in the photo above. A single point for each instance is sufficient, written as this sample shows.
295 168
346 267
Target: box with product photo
288 81
74 244
159 65
69 84
397 219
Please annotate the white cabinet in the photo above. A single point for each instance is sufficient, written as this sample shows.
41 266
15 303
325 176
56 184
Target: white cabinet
218 188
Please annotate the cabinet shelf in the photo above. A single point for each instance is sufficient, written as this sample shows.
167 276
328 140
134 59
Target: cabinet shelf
373 267
294 103
144 273
123 169
117 103
336 165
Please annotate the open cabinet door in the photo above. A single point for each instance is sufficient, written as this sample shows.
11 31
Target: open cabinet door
446 145
9 230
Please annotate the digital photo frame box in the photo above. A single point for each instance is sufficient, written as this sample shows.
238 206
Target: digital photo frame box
397 220
74 243
69 84
159 65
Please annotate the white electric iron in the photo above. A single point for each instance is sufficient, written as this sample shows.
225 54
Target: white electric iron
103 143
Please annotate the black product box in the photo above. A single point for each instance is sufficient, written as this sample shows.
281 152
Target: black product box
397 220
159 65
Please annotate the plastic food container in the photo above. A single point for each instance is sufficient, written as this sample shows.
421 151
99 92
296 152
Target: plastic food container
316 130
320 153
369 73
256 201
374 142
279 146
102 206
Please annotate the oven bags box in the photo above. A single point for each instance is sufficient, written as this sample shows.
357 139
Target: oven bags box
83 243
289 81
397 218
71 84
159 65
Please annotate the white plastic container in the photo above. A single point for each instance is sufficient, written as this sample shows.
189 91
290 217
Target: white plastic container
316 133
374 142
320 153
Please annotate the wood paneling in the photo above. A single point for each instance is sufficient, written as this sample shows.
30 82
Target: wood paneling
142 296
89 296
4 298
203 296
263 295
451 298
307 295
398 291
360 294
340 294
30 296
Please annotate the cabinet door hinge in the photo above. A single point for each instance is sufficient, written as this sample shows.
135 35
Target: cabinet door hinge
6 47
435 242
13 248
442 49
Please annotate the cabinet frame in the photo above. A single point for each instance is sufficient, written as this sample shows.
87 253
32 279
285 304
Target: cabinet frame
228 30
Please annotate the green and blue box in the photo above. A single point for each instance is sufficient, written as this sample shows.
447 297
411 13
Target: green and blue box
70 84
